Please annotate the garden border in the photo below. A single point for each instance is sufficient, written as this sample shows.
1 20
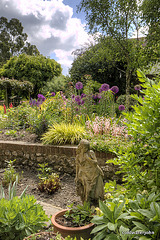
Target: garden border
60 158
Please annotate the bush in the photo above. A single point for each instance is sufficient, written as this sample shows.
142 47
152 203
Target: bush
140 163
20 216
64 133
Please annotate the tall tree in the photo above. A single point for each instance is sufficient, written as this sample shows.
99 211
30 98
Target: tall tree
99 61
151 17
36 69
13 41
118 19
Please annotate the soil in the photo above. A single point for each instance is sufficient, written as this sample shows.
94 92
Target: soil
43 236
61 198
18 135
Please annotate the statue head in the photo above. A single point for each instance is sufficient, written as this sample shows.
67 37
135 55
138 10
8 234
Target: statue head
84 145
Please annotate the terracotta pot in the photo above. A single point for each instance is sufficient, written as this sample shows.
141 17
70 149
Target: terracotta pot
49 234
78 232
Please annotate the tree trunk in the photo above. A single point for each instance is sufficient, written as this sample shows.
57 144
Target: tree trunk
128 81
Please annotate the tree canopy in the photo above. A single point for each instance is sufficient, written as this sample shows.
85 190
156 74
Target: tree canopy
118 19
36 69
101 63
13 41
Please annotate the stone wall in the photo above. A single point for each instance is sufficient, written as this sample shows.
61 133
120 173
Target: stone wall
60 158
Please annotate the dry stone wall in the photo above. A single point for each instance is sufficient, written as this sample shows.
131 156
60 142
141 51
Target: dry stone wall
60 158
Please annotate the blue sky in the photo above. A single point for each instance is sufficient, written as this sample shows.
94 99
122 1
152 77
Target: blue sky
52 25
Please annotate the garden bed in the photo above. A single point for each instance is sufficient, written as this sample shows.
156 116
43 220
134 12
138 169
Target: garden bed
62 198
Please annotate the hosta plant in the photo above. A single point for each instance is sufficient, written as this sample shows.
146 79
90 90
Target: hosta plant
64 133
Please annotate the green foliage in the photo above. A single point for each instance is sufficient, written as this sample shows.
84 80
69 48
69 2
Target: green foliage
126 219
20 216
122 101
112 223
63 133
13 40
10 174
36 69
55 85
14 86
101 63
80 215
48 182
140 161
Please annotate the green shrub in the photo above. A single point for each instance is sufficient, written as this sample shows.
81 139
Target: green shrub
19 216
64 133
140 163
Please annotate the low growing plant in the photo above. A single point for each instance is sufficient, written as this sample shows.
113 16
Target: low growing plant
20 216
49 182
10 174
64 133
80 215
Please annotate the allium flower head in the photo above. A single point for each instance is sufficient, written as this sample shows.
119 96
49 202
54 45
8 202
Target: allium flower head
114 89
41 97
105 87
121 107
77 98
79 85
137 87
53 94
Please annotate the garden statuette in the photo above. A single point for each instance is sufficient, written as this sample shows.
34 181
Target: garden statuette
89 176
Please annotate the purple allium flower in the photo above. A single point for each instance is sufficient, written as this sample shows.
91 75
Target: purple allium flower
105 87
53 94
114 89
121 107
83 95
41 97
79 85
137 87
77 98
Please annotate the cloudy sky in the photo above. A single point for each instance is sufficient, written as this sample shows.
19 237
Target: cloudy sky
52 25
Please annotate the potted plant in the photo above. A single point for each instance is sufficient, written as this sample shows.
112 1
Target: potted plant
75 222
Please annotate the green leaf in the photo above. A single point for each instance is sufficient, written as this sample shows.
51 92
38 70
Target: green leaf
111 236
105 210
112 226
141 226
118 210
99 228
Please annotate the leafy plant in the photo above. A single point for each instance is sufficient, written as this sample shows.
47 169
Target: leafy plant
140 162
11 133
48 182
112 222
10 174
20 216
63 133
80 215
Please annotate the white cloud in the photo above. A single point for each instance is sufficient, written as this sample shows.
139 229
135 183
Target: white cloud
50 26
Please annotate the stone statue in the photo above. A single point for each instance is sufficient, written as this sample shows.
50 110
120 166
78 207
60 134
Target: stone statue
89 176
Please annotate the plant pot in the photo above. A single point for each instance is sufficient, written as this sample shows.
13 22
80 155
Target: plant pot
78 232
43 235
